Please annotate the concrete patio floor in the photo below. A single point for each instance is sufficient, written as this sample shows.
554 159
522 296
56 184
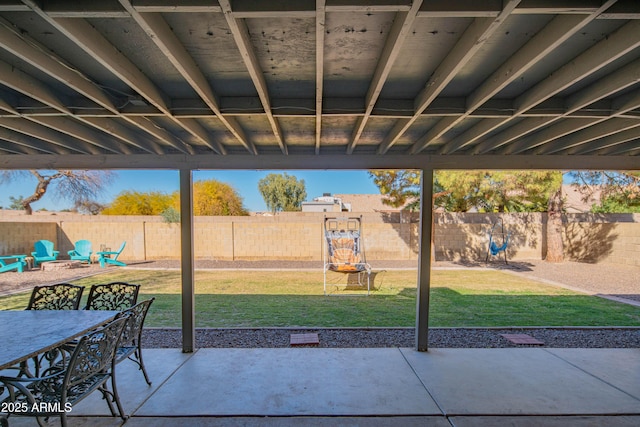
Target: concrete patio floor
374 387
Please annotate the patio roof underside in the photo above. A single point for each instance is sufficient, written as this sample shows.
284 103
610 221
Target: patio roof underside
206 84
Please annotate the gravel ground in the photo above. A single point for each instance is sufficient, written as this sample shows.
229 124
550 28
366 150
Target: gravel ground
601 279
402 337
11 282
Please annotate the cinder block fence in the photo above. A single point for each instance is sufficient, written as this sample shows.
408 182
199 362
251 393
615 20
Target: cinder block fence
611 238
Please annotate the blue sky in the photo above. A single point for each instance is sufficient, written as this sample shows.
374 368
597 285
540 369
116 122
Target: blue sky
245 182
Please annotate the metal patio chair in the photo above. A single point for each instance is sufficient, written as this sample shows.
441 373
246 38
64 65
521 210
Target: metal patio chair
130 346
112 296
67 382
62 296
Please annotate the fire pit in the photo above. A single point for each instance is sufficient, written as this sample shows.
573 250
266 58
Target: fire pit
60 265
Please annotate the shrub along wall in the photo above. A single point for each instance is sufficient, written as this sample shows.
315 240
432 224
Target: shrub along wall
612 238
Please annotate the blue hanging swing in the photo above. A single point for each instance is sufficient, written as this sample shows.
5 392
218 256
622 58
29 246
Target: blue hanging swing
494 249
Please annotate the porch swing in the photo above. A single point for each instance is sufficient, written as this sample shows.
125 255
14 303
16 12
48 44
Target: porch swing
498 241
344 249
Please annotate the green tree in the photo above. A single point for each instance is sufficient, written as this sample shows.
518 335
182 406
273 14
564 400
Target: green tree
282 192
522 191
75 186
139 203
212 197
463 189
16 203
400 187
460 191
619 191
171 215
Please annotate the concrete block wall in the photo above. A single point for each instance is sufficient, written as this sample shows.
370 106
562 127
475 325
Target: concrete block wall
107 235
285 241
594 238
18 238
465 236
163 240
298 236
390 241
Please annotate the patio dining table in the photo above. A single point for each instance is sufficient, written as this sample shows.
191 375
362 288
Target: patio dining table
28 333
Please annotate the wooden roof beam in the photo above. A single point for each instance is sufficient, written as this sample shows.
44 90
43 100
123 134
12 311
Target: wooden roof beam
336 161
29 144
594 133
320 32
29 86
631 148
32 52
401 27
617 81
91 41
593 59
305 8
74 129
469 43
43 133
241 36
164 38
608 50
12 148
621 105
17 44
539 46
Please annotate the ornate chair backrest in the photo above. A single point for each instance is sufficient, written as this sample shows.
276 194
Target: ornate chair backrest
62 296
113 296
93 355
133 329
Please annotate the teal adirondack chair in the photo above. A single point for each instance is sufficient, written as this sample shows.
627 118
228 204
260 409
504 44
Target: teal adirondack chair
81 252
111 257
17 263
43 252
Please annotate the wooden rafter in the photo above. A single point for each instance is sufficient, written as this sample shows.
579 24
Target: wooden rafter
473 38
542 44
164 38
320 31
401 27
241 36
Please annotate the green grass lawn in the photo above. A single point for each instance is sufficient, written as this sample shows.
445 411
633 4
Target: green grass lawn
267 298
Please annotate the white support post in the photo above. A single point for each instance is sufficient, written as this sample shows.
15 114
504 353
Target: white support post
186 262
424 260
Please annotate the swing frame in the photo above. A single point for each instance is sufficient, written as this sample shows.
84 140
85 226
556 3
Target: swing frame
492 248
347 228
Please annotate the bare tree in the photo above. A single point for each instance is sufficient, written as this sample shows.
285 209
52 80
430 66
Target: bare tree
76 186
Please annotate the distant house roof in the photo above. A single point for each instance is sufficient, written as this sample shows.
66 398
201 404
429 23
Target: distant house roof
366 203
574 200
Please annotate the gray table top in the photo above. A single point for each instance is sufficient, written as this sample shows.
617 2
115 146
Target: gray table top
26 333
